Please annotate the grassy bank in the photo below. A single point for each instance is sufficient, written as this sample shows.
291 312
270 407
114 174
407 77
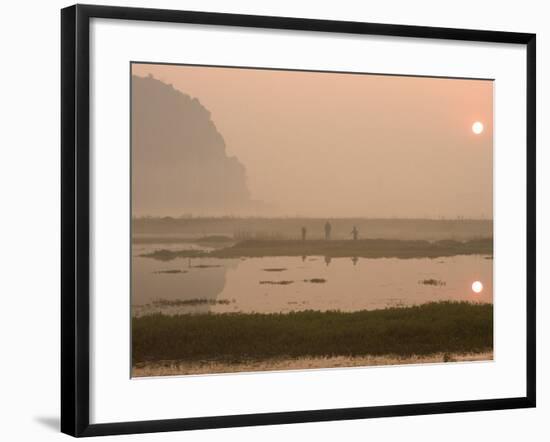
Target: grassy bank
236 337
365 248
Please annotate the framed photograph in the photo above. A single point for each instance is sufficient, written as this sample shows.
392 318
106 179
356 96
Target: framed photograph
272 220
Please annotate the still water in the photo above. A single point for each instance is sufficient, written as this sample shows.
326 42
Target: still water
285 284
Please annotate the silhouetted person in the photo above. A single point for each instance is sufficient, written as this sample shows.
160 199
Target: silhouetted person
328 259
304 258
328 228
354 260
304 233
355 233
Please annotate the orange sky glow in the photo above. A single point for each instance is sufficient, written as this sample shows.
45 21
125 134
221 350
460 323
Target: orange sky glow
342 145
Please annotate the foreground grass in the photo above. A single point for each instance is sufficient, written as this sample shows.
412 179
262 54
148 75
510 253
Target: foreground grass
449 327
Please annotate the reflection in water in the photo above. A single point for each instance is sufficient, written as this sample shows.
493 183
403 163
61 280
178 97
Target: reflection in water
204 279
229 285
477 286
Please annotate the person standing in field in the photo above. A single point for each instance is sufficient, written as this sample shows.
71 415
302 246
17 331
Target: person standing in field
355 233
328 228
304 233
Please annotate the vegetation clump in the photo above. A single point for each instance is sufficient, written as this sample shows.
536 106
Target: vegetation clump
168 255
277 282
184 302
434 282
443 327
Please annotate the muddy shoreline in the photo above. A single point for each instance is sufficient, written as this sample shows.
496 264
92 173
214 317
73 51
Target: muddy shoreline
179 368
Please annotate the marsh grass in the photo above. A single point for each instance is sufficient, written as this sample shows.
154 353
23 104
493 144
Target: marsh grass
183 302
283 282
443 327
168 255
434 282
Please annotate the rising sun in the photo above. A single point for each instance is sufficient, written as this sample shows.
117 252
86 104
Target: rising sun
477 127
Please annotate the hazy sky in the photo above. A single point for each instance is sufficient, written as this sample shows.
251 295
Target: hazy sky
337 145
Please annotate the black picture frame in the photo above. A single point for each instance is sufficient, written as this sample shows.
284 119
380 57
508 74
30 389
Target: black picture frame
75 225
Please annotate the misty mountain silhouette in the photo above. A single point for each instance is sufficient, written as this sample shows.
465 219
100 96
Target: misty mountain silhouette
179 161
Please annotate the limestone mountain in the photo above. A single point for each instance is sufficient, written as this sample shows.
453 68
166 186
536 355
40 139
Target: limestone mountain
179 159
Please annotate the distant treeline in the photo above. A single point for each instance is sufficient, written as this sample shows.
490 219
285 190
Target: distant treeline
290 228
